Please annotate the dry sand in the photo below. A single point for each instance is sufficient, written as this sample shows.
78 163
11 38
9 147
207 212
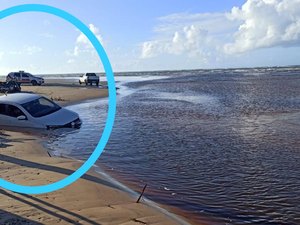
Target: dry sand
90 200
64 92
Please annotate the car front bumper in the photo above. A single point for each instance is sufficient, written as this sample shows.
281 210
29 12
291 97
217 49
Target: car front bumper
76 124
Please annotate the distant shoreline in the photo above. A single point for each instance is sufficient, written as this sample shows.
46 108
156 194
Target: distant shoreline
130 73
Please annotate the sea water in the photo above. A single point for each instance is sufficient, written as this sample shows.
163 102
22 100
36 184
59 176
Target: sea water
220 144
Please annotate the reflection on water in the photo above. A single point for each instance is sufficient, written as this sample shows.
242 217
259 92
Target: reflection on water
188 97
80 143
223 144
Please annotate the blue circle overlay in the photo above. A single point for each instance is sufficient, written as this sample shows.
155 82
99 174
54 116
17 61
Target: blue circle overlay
111 108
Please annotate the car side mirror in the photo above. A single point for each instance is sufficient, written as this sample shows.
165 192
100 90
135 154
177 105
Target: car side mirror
81 75
22 117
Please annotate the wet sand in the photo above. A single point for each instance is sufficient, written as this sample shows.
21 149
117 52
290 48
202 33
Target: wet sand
90 200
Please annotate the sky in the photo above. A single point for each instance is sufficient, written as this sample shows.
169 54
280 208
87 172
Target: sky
145 35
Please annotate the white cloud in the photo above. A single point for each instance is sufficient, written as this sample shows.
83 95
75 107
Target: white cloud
70 61
76 51
1 55
83 53
30 50
199 36
150 49
26 50
190 41
264 24
215 23
83 42
211 37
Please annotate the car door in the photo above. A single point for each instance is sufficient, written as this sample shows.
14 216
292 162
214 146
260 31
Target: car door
3 117
10 116
25 78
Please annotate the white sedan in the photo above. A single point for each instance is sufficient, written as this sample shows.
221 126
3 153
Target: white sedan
35 111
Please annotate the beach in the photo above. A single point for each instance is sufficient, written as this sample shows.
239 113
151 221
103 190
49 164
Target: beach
206 142
90 200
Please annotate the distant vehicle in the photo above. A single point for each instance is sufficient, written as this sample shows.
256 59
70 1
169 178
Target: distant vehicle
35 111
22 77
9 87
89 78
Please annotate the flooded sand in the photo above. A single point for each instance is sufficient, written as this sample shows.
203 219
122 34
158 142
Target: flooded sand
218 144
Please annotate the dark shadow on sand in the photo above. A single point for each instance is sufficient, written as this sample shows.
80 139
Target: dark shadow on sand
6 140
8 218
48 211
56 169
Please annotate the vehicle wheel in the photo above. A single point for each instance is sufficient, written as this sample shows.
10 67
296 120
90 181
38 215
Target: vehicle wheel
39 84
34 83
79 82
91 83
97 84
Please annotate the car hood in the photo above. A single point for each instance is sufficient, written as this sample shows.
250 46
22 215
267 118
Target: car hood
58 118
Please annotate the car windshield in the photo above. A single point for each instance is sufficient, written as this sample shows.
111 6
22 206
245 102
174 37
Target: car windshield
91 74
41 107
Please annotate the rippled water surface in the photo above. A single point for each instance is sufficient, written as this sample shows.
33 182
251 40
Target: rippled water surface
221 144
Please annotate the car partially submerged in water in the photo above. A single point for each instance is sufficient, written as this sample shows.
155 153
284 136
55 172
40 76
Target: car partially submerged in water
35 111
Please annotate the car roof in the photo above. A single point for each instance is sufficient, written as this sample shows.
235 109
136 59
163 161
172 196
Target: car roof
23 72
18 98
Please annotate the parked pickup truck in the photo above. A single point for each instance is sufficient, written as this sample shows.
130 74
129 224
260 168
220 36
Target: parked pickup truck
89 78
23 77
9 87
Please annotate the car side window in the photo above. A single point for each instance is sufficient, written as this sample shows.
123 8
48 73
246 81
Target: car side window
14 111
17 75
24 75
10 110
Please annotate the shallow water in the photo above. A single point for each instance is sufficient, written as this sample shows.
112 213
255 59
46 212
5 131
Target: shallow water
222 144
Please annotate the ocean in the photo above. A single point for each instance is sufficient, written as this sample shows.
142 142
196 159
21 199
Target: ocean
221 145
